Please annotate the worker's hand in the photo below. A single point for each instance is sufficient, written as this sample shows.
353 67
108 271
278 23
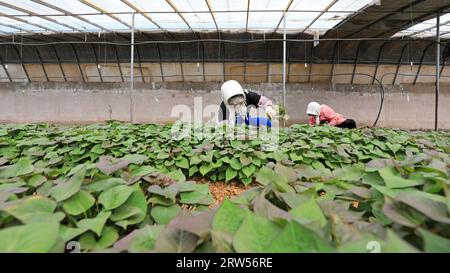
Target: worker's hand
271 113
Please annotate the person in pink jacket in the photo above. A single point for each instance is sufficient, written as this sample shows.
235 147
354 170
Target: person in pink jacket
321 113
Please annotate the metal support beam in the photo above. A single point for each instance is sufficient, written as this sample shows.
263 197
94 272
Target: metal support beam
31 13
15 27
284 60
59 63
419 19
103 11
248 13
222 52
203 59
269 72
19 54
5 69
401 9
97 63
399 62
245 49
335 49
160 62
78 62
138 55
320 14
421 61
356 61
378 61
181 61
23 21
132 53
116 54
438 62
41 63
310 61
179 13
284 12
70 14
132 67
208 3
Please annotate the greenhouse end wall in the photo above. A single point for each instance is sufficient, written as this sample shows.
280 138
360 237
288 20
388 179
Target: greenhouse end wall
405 106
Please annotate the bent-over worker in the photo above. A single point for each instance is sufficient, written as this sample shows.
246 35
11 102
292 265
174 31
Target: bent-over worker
321 113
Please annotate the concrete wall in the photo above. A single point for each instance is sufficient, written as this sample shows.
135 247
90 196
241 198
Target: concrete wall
406 106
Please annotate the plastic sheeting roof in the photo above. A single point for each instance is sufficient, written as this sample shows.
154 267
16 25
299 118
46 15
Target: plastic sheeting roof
56 16
427 28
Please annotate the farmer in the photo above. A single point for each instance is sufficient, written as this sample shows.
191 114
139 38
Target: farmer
236 99
321 113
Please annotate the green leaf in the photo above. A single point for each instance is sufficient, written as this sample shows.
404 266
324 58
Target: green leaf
68 233
79 203
395 244
249 170
432 209
228 217
235 164
309 211
266 176
22 167
115 196
230 173
105 184
255 234
434 243
36 180
133 211
66 189
33 237
200 196
108 164
193 170
177 175
296 238
348 173
244 160
108 237
135 158
205 168
182 163
163 215
31 209
144 239
394 181
95 224
287 172
142 171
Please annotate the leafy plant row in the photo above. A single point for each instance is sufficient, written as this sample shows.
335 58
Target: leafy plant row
109 188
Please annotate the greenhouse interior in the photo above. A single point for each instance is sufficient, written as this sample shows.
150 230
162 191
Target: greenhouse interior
224 126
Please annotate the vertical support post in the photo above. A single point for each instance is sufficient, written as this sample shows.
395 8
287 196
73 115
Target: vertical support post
438 62
132 53
132 67
284 59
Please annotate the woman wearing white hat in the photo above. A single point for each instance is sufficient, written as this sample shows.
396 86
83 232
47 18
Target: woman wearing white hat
237 99
321 113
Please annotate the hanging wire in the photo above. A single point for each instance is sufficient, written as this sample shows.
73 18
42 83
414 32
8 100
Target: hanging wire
410 43
104 58
198 57
206 40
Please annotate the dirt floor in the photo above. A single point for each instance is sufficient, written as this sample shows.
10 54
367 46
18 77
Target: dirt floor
222 190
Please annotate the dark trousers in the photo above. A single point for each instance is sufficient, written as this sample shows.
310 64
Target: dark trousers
348 123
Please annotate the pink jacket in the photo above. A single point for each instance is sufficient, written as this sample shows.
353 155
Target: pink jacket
329 115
